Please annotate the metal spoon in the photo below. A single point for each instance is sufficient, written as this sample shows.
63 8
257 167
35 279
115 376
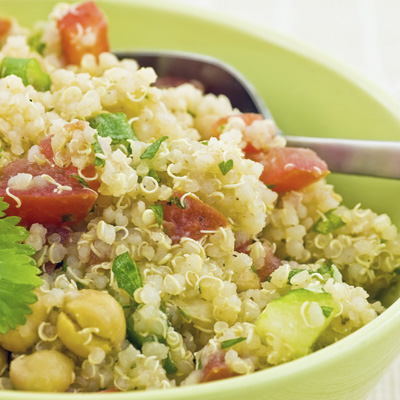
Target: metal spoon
360 157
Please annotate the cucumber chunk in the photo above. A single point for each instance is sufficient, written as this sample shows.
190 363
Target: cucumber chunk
298 318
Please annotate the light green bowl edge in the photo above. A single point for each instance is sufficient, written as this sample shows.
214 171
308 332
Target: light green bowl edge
376 328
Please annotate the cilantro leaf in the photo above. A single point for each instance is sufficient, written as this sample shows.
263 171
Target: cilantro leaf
328 224
231 342
127 273
158 212
151 151
116 126
225 166
18 273
81 180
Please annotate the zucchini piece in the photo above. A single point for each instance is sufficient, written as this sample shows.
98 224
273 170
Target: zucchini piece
296 319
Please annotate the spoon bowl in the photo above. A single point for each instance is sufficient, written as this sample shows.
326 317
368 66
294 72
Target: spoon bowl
359 157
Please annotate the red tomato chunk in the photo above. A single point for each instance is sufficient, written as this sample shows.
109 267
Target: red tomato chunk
191 220
5 26
289 168
45 204
83 30
217 369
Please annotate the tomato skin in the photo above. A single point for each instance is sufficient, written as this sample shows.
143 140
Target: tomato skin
290 168
217 369
248 119
5 26
42 204
271 263
89 171
191 220
83 30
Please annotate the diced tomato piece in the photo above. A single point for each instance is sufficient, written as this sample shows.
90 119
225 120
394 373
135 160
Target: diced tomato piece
217 369
271 263
290 168
46 205
64 232
89 171
83 30
5 26
248 119
191 220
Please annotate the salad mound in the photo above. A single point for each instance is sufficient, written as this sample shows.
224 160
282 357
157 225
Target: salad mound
153 236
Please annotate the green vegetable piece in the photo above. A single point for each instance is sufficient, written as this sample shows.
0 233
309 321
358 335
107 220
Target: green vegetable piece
137 339
231 342
327 311
199 364
153 174
28 69
295 271
326 268
151 151
184 315
116 126
329 223
36 44
98 162
177 201
287 318
127 274
225 166
18 272
169 366
81 180
158 212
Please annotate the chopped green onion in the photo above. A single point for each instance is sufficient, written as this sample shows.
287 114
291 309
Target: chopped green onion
328 224
151 151
225 166
81 180
327 311
158 212
116 126
36 44
127 274
28 69
153 174
231 342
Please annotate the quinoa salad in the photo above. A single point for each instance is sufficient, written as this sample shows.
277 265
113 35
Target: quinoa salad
152 236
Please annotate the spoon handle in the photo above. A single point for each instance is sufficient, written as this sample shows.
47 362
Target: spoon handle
359 157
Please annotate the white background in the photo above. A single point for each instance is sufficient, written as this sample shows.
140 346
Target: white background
365 34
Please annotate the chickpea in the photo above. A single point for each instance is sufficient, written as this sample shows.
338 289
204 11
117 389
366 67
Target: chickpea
3 360
91 319
23 337
43 371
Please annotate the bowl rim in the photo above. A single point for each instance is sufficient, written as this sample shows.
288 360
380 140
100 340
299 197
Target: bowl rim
313 360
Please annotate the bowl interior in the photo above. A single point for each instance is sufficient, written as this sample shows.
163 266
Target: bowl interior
308 95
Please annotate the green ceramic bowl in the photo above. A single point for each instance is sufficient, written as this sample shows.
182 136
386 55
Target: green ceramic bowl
308 94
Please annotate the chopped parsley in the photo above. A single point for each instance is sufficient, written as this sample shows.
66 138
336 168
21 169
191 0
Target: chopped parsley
151 151
329 223
204 142
326 268
80 285
225 166
177 201
153 174
158 212
327 311
81 181
127 274
18 272
231 342
169 366
296 271
98 162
